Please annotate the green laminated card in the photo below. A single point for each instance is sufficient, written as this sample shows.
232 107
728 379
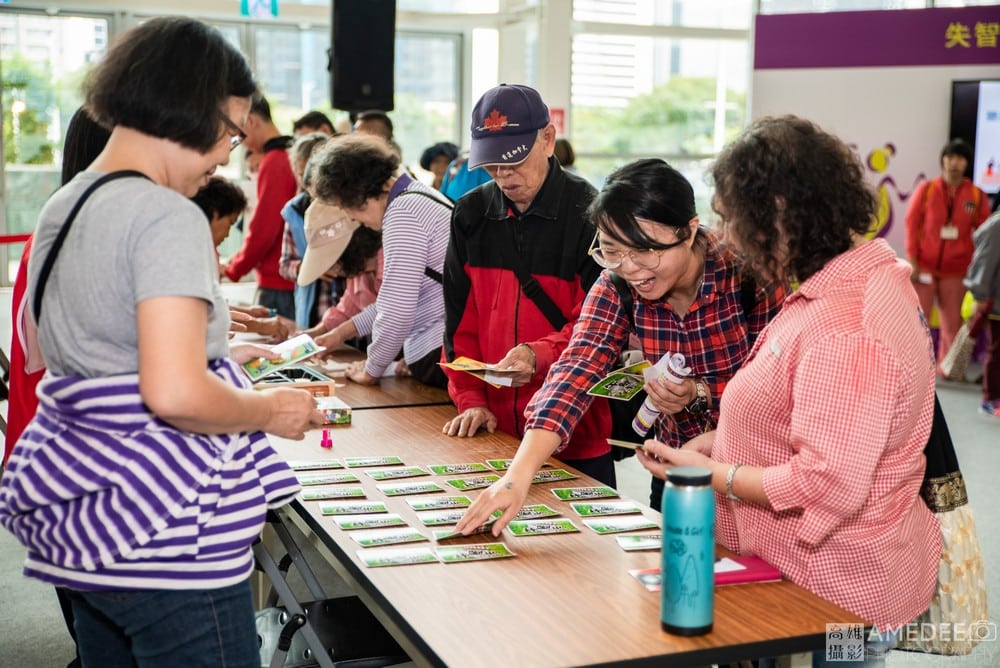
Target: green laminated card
440 503
375 537
576 493
619 524
352 507
535 512
404 488
555 475
478 482
352 522
293 350
387 460
331 478
540 527
457 469
328 493
314 464
453 554
392 474
649 541
595 508
434 518
397 556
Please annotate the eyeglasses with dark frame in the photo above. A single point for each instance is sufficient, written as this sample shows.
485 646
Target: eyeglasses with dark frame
644 258
234 139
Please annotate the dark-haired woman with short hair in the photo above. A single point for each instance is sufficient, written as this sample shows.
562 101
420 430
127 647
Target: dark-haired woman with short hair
144 478
686 290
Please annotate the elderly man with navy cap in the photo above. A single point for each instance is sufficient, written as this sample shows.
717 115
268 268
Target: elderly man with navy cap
517 272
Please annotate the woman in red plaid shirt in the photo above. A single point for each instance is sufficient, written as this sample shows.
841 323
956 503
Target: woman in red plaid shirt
687 298
818 457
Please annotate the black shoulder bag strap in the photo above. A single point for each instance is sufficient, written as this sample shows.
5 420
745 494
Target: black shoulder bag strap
531 286
432 274
50 259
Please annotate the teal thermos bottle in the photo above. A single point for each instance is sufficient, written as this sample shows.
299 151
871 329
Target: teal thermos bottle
688 551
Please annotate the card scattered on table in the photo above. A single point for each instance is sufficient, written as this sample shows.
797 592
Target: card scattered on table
352 507
575 493
555 475
375 537
440 503
593 509
540 527
355 462
392 474
326 478
352 522
314 464
618 524
499 464
404 488
433 518
398 556
333 493
650 541
478 482
535 512
453 554
457 469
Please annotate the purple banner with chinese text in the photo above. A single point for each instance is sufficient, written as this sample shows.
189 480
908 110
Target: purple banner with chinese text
895 38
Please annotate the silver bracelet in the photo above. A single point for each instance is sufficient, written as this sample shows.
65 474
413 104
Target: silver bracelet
729 482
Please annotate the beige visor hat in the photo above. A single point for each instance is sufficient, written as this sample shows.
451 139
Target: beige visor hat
328 231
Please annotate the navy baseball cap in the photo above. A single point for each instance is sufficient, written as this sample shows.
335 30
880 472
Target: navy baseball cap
505 121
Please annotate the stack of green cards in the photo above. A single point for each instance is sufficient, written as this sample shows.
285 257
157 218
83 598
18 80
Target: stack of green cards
540 527
314 464
376 537
650 541
352 507
440 503
457 469
453 554
352 522
404 488
392 474
595 508
399 556
478 482
328 493
355 462
332 478
555 475
619 524
574 493
622 384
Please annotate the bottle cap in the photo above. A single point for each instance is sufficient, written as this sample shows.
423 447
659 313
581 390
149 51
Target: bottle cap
689 476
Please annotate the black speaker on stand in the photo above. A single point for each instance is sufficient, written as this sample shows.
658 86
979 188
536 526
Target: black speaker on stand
363 54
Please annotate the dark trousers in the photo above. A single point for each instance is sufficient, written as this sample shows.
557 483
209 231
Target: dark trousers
428 371
600 468
282 301
991 363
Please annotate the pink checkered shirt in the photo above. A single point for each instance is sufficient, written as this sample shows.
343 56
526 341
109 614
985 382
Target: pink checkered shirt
836 402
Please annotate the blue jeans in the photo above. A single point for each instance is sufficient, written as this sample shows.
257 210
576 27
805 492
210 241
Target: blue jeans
155 628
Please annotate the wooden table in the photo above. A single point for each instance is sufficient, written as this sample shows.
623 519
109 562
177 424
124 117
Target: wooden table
565 600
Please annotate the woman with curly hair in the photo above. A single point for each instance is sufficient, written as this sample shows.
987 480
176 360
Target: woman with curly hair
818 457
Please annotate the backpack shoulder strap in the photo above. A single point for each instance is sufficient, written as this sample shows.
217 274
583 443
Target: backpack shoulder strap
430 273
625 296
50 259
748 294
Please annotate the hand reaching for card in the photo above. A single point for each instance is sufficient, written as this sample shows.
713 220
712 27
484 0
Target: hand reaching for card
505 494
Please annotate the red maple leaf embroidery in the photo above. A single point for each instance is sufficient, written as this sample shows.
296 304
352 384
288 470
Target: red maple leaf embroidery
495 121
